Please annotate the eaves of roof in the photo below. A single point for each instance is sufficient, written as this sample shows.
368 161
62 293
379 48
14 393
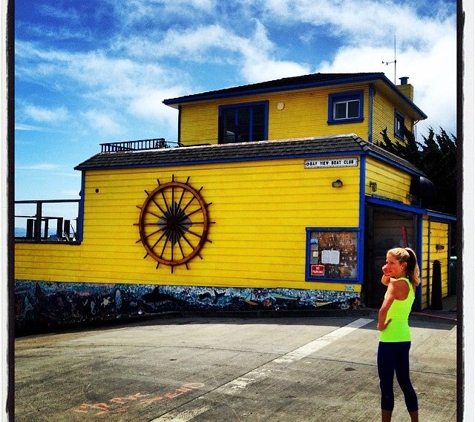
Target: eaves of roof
313 80
239 152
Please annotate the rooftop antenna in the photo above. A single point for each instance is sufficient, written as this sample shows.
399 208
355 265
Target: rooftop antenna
394 61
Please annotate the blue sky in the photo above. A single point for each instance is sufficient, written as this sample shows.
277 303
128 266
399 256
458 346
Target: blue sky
89 72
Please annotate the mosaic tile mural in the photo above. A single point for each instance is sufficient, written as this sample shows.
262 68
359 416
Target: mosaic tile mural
43 306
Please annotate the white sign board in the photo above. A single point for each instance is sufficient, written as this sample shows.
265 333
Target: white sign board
331 257
333 162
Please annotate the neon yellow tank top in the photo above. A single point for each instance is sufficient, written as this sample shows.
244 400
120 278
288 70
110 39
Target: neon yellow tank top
398 329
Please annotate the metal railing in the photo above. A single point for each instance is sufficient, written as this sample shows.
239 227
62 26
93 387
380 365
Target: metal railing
34 225
139 145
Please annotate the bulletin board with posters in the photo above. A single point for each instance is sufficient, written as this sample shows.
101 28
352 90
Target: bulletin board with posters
332 255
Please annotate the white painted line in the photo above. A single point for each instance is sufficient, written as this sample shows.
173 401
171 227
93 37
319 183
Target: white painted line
181 416
321 342
264 371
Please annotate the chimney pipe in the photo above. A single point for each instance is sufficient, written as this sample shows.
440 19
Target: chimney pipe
406 87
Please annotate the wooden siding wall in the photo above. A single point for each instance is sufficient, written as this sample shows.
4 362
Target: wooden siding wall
305 114
261 212
434 234
199 123
383 117
392 183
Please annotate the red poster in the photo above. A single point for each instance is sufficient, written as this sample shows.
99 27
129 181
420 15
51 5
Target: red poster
317 270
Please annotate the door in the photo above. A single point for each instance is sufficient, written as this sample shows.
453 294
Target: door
385 229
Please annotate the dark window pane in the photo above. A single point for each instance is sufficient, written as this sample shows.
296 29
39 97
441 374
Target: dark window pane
258 114
242 124
399 126
340 111
258 123
229 126
353 109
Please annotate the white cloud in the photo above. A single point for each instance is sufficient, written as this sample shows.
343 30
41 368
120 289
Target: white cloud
252 56
202 44
148 105
45 115
197 43
425 40
103 122
261 69
432 72
70 15
258 63
38 167
146 64
133 12
24 127
211 43
363 20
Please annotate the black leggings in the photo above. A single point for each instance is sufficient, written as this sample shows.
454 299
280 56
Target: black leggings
394 358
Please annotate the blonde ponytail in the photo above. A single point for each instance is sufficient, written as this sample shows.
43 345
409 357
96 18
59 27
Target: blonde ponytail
408 256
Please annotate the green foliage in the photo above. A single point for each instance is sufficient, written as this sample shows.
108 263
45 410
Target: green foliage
436 157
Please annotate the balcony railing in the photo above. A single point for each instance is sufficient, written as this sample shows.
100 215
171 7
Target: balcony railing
44 221
140 145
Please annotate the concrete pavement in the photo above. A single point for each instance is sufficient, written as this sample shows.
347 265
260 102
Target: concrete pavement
316 368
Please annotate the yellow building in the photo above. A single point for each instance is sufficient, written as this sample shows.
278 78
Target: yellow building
297 107
276 198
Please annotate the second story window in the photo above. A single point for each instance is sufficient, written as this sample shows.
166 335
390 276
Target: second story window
243 123
345 107
399 125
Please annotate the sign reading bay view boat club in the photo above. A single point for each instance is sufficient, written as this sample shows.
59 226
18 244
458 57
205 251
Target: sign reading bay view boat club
333 162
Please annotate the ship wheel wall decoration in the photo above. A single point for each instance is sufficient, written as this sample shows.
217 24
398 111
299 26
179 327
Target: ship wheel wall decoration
173 223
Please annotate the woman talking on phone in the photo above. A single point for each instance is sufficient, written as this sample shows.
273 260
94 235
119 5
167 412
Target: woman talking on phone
401 276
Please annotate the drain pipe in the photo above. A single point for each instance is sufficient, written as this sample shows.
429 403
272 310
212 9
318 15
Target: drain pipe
429 304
